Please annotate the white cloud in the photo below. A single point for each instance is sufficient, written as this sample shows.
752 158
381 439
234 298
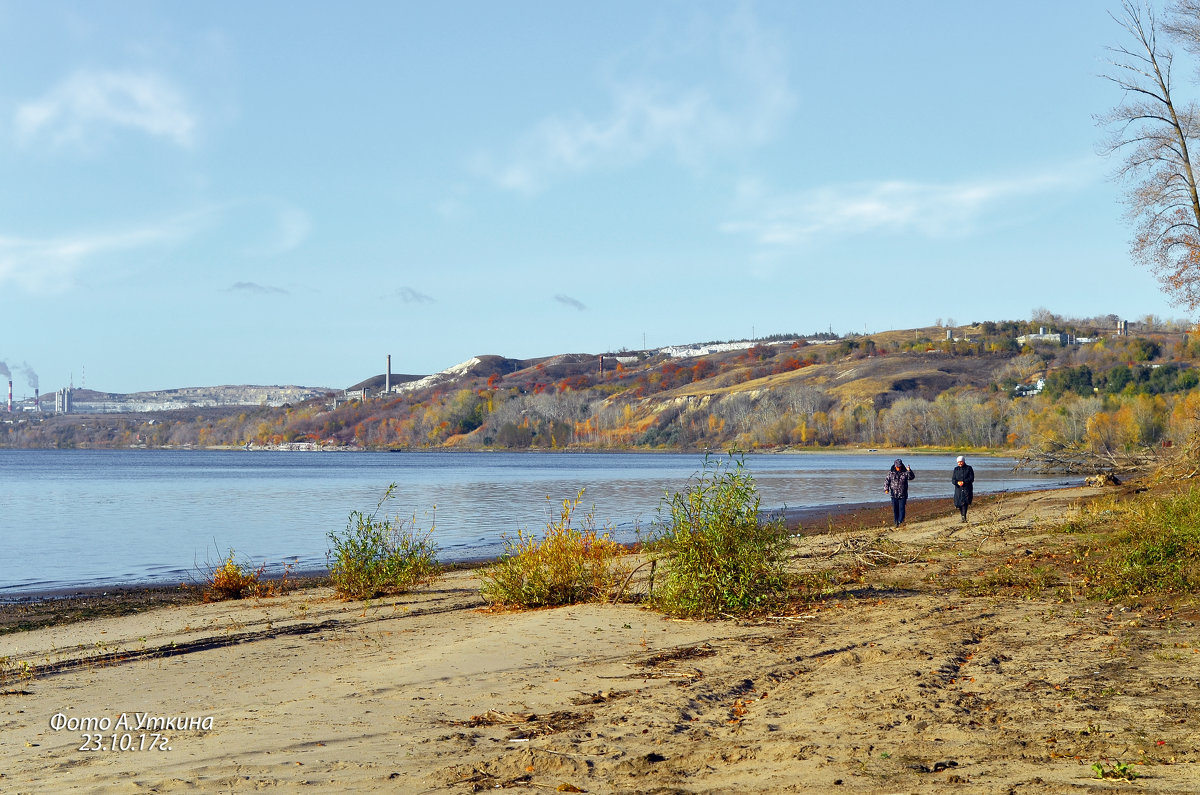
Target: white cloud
927 209
87 103
255 228
294 226
450 209
50 265
286 229
648 116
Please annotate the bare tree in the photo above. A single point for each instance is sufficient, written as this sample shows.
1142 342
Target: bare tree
1043 316
805 400
735 409
1022 367
1183 24
1154 134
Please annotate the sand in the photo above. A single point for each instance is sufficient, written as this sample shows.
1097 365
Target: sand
902 685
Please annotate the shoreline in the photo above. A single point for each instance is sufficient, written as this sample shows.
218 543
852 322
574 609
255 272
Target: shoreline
316 447
823 517
906 677
21 612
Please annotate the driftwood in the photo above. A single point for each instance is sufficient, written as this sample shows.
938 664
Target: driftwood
1183 463
864 552
652 563
1180 461
1079 460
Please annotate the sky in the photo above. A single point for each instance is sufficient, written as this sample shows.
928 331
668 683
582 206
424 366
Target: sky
196 194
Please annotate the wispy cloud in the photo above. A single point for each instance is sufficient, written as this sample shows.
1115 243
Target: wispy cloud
410 296
283 229
50 264
567 300
294 226
255 288
653 115
259 227
454 206
898 207
88 102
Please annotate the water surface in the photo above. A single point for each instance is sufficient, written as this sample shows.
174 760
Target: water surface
74 518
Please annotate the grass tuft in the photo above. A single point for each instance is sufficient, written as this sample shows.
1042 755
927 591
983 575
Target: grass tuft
237 579
232 579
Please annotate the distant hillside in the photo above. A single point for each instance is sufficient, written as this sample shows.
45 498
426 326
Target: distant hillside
90 401
986 386
376 382
877 381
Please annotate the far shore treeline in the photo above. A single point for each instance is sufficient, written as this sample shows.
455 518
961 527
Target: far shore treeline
1061 389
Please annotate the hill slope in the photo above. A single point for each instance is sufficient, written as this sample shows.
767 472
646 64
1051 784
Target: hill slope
914 387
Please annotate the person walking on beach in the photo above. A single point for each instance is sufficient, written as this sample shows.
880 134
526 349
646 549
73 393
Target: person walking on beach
963 476
896 485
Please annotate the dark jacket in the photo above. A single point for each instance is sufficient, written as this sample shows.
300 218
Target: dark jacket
896 484
963 493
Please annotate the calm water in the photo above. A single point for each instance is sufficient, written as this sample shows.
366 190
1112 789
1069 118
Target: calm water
73 518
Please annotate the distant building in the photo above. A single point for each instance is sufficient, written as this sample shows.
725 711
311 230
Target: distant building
1025 390
1058 338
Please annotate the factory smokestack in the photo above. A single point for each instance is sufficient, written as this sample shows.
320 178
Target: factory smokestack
387 381
10 395
37 404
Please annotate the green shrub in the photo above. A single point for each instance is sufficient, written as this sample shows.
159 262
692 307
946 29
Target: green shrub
376 556
718 556
1154 547
567 565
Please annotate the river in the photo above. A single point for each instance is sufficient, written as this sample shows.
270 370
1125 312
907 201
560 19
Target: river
89 518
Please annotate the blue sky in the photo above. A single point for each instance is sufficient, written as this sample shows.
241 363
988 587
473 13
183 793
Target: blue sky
286 192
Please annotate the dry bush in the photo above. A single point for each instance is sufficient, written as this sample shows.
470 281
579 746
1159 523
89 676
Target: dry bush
567 565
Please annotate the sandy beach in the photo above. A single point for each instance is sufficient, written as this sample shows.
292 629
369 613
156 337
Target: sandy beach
902 684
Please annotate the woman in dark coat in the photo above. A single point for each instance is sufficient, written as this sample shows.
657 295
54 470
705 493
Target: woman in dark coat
896 485
963 476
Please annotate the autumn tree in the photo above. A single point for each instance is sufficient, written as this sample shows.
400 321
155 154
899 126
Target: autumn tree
1154 134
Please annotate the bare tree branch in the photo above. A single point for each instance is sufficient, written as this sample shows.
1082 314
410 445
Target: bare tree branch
1154 134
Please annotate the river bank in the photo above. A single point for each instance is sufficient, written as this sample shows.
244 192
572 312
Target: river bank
902 683
160 516
37 608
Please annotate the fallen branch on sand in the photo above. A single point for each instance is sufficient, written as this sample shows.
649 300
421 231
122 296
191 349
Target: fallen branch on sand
862 550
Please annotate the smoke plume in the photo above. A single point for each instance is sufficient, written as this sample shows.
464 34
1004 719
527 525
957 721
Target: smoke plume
4 371
30 375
